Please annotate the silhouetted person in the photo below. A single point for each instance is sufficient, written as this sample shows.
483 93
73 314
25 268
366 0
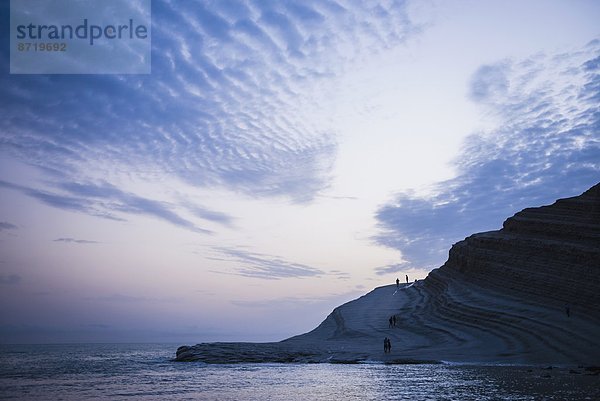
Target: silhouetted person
397 283
407 279
568 310
385 345
391 322
389 345
394 320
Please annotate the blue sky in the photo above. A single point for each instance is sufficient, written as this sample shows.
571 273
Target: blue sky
282 158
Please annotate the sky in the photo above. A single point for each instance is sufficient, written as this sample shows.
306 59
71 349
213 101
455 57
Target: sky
283 158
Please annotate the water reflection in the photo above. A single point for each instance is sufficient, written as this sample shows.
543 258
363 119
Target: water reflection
145 372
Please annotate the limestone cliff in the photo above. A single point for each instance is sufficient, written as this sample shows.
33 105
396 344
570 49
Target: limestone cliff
550 253
528 293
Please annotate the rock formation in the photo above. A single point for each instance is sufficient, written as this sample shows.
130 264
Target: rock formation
528 293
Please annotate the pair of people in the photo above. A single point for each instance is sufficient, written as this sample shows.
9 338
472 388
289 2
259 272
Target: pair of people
392 321
398 281
387 345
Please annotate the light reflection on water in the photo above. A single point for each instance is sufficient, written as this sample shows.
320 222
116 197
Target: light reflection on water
144 371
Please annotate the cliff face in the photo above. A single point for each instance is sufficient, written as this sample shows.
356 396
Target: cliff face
549 253
528 293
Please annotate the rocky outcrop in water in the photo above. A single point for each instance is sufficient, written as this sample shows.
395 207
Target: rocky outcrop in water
528 293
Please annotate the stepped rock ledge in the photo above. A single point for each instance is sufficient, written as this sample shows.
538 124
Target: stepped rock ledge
501 297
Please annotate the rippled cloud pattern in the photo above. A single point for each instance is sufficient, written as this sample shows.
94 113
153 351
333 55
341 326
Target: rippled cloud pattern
546 146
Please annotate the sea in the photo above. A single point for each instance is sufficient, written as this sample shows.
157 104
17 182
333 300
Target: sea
148 372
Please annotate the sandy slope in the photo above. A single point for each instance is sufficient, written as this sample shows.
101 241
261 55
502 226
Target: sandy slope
461 323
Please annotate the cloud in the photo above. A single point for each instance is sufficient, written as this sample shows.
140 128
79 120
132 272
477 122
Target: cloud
230 101
546 147
393 268
50 199
288 303
7 226
340 275
489 81
104 200
10 279
211 215
402 268
121 298
75 241
266 267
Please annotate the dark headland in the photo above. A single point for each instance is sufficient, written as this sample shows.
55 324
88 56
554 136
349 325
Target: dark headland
526 294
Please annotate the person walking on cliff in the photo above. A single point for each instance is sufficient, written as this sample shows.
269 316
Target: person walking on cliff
397 283
389 345
391 322
385 345
407 279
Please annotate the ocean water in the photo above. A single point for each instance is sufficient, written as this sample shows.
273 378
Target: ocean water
147 372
